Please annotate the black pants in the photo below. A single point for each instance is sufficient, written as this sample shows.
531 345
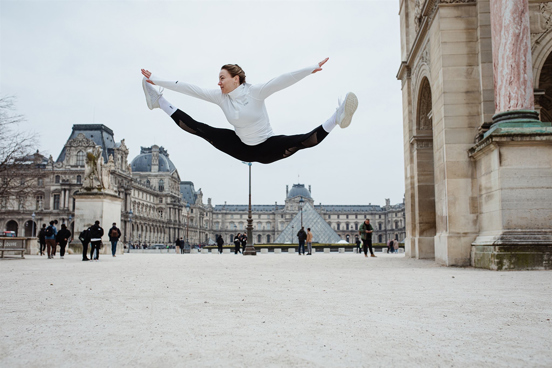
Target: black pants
42 247
95 246
367 244
301 246
62 249
273 149
236 248
220 248
84 250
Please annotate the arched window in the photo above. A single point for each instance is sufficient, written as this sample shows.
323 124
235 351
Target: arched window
161 185
338 226
259 239
379 238
231 239
80 158
57 179
268 238
79 179
379 226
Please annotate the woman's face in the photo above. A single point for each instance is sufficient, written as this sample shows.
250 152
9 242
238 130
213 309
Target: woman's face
226 83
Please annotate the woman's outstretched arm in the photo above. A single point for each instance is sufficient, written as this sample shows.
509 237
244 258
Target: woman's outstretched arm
210 95
262 91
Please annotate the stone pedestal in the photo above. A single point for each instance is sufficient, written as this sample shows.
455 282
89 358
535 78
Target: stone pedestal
98 206
514 171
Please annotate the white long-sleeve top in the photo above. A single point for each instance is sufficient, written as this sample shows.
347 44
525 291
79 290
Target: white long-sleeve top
244 107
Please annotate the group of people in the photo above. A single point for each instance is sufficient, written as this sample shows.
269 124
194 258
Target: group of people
305 237
239 239
49 238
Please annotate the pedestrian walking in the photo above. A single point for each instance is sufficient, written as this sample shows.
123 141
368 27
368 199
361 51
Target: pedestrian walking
359 245
243 241
220 243
390 246
42 239
96 233
302 236
84 237
309 242
365 231
62 238
177 246
114 235
237 243
50 236
395 246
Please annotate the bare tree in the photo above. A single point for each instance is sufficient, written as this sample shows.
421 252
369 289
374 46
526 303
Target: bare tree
19 167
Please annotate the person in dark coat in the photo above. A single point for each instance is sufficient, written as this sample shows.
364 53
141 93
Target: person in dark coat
114 235
237 243
62 238
243 241
84 237
220 243
96 233
302 236
42 239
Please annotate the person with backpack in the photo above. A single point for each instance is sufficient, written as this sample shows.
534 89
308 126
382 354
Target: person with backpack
96 233
42 239
114 235
50 237
84 237
62 238
302 236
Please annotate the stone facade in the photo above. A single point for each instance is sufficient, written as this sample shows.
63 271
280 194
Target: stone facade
270 220
477 159
164 207
159 209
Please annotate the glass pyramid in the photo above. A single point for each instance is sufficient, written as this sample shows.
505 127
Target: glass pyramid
320 229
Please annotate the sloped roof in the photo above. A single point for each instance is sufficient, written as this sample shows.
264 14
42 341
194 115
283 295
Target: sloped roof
98 133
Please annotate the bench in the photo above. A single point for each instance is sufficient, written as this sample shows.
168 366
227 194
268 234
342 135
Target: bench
12 245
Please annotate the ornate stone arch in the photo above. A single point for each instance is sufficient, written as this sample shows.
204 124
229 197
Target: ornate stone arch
542 75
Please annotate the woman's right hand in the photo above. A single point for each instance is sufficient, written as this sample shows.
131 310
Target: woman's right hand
147 74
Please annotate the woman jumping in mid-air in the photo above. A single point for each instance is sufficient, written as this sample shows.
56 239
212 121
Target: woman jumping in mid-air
244 107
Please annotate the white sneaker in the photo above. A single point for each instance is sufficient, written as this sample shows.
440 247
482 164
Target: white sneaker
152 96
346 110
61 257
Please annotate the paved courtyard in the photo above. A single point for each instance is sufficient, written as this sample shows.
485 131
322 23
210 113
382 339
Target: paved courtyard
325 310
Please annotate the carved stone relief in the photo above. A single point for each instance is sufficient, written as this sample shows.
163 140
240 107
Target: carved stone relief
540 20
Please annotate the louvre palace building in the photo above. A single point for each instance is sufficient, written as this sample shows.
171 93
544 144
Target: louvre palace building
159 207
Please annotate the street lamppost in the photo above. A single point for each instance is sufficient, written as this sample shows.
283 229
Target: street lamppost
291 234
33 225
249 248
187 244
130 236
301 202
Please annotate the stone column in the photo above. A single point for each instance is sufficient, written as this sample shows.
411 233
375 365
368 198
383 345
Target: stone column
512 65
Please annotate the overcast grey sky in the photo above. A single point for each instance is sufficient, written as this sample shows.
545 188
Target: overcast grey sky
78 62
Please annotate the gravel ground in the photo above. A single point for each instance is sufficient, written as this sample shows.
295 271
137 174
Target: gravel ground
272 310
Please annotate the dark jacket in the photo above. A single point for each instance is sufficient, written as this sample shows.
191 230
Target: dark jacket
243 240
362 231
220 241
302 235
237 240
84 237
96 231
63 236
42 236
114 238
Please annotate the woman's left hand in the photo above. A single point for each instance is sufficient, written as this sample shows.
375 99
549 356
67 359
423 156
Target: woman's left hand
320 65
